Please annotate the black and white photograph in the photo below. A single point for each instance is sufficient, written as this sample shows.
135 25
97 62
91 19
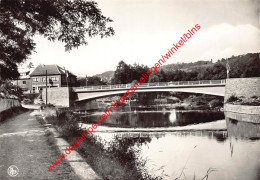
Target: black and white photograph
130 89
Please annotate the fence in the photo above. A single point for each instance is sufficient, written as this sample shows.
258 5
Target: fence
154 84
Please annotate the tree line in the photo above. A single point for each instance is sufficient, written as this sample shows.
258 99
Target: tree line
241 66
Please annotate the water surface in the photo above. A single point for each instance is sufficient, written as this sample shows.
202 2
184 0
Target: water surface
167 153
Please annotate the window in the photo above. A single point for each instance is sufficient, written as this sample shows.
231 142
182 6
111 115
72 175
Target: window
35 79
54 78
24 82
43 79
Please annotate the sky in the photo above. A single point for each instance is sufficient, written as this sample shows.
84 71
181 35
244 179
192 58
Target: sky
145 29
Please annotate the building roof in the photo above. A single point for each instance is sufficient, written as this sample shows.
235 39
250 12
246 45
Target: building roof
24 73
52 69
24 70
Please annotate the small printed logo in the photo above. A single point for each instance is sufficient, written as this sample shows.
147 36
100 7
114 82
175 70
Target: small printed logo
13 170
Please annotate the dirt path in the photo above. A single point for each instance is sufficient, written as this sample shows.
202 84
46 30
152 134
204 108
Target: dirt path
23 144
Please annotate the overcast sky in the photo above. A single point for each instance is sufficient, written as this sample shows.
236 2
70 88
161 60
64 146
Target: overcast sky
145 29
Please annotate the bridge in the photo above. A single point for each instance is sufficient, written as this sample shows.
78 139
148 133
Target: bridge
211 87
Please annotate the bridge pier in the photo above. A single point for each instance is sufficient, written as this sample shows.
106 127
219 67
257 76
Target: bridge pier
242 120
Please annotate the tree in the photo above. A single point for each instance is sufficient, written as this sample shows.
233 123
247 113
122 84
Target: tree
95 81
162 75
122 74
63 20
153 78
137 71
81 81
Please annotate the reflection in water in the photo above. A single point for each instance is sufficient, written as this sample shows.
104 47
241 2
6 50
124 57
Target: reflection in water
157 119
242 129
167 153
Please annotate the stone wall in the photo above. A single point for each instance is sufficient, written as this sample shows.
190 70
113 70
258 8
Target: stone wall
60 96
243 113
243 109
251 118
8 103
246 87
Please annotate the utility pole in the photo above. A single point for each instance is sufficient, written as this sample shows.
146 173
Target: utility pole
86 80
227 68
67 77
17 84
46 86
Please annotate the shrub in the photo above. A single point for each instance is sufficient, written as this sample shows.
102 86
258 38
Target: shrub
232 98
68 122
27 101
180 108
51 119
216 103
253 103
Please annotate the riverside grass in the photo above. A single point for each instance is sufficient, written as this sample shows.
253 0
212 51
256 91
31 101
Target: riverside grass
117 162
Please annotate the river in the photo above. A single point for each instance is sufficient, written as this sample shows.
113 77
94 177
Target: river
170 151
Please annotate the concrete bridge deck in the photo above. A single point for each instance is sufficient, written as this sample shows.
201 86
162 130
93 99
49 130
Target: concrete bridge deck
150 85
212 87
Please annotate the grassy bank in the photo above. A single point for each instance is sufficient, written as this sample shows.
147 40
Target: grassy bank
252 101
117 159
4 115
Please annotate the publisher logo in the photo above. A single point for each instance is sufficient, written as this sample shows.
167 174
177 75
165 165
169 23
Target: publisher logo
13 170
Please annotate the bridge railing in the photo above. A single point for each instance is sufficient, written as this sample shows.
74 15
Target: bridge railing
145 85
